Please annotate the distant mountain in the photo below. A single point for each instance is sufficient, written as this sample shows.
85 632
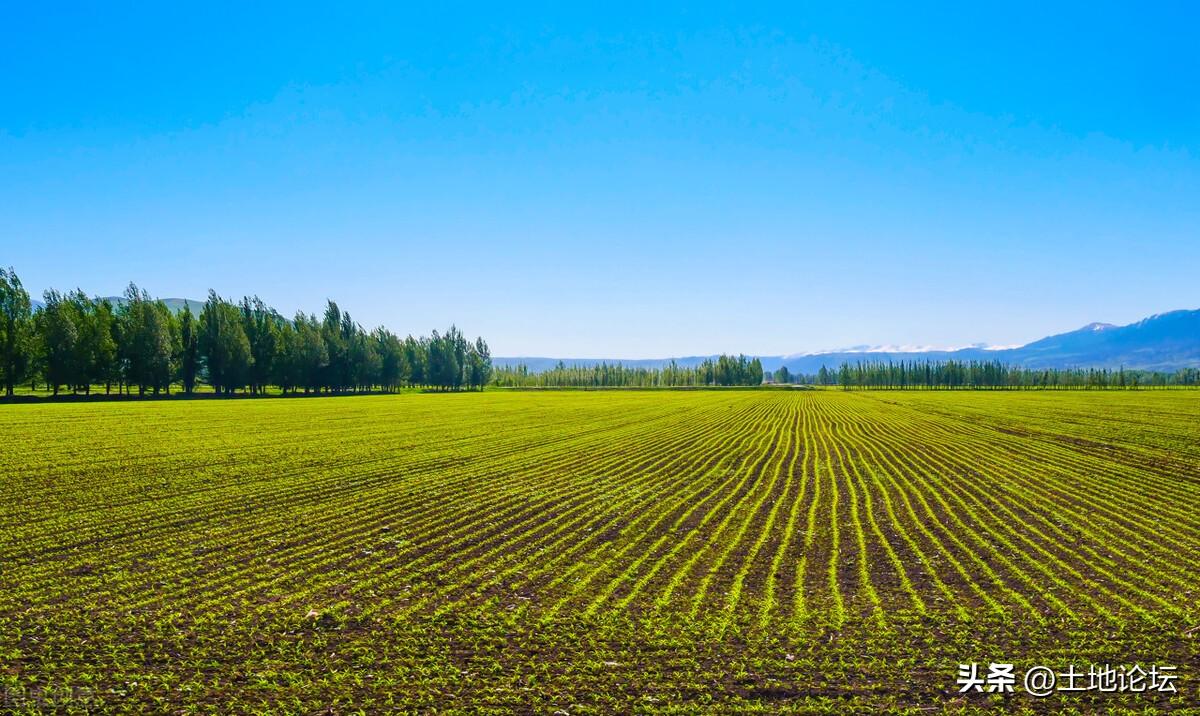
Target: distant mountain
537 364
175 304
1167 342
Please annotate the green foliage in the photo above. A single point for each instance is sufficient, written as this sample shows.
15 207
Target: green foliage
16 330
189 350
57 329
100 339
77 342
223 345
994 374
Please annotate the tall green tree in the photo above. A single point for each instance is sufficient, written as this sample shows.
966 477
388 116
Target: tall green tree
416 354
189 350
16 331
223 345
313 360
393 364
285 367
445 368
58 335
480 362
337 367
366 364
261 326
148 341
459 347
102 339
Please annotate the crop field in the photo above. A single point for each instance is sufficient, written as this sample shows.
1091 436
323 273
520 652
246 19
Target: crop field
595 552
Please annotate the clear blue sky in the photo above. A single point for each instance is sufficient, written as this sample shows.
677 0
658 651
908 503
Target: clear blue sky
627 182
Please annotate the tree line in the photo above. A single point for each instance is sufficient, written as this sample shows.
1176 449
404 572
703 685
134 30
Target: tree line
724 370
75 342
952 374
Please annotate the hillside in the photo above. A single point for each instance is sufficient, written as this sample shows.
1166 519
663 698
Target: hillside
175 304
1166 341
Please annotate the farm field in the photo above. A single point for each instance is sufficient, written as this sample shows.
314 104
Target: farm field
595 552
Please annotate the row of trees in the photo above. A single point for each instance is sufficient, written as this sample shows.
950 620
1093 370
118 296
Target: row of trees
728 370
76 342
724 370
992 375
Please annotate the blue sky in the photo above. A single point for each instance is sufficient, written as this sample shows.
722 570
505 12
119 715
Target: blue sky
608 181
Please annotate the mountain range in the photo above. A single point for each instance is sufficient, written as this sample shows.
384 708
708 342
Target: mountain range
1164 342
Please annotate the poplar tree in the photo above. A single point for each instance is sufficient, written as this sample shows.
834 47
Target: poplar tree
16 330
189 350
